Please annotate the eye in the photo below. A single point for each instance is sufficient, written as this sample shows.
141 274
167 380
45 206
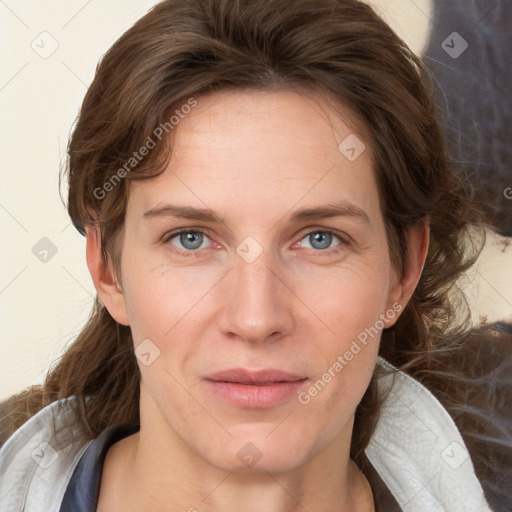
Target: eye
188 241
321 240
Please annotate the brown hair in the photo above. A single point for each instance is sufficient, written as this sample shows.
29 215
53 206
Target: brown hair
339 48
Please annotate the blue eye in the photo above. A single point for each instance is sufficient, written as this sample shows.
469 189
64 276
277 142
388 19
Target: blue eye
321 240
190 240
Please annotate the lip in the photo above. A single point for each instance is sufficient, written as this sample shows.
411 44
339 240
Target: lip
254 389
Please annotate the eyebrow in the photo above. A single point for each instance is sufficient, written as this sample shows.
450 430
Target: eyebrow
187 212
340 209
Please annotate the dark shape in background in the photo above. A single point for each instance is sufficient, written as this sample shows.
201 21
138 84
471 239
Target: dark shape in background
474 93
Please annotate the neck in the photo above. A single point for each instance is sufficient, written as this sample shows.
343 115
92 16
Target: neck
156 470
134 484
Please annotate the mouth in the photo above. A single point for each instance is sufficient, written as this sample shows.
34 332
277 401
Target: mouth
254 389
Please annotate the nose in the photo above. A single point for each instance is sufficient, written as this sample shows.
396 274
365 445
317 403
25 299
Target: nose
257 305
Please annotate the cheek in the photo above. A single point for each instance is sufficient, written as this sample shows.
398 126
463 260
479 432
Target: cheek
347 300
350 305
159 297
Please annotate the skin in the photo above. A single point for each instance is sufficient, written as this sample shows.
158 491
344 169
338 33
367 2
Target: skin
254 158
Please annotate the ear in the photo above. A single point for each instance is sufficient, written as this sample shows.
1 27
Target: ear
417 247
104 278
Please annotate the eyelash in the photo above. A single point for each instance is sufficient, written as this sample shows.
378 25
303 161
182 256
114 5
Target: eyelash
343 242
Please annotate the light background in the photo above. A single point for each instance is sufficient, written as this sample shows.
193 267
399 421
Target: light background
43 305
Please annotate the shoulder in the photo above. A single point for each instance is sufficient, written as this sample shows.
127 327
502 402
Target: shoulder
482 407
37 461
418 450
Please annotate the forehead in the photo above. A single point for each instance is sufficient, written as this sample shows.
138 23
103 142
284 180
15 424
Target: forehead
263 149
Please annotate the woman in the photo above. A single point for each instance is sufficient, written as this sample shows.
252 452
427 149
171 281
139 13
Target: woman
273 229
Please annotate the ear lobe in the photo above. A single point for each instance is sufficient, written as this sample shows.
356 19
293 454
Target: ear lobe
417 249
104 278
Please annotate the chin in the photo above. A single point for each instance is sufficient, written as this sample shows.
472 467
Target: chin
253 453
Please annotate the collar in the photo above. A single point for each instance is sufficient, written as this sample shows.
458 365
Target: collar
416 450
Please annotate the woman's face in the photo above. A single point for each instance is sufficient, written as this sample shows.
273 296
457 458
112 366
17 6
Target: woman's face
257 330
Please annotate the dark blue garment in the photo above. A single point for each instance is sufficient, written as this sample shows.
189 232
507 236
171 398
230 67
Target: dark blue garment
82 492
